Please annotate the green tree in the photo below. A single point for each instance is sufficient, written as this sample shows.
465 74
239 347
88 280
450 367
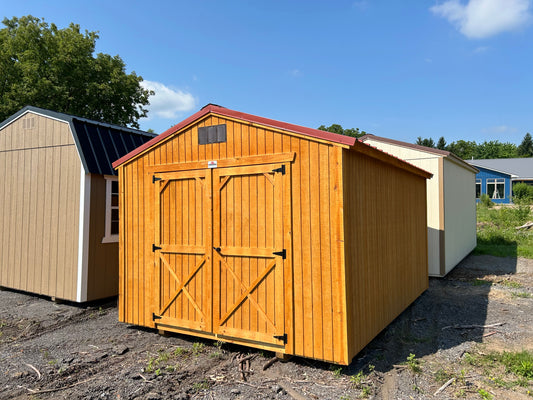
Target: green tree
495 149
336 128
44 66
463 149
441 144
429 142
525 149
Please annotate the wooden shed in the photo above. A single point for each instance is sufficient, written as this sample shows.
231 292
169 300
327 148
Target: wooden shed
451 201
267 234
59 204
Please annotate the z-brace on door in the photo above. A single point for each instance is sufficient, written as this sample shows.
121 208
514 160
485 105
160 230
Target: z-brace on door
182 249
220 250
248 253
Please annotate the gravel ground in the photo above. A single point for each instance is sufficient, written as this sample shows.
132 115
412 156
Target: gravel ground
65 351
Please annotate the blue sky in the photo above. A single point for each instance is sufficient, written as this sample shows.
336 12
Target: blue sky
461 69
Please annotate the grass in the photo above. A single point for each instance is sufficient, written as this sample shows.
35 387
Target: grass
496 235
505 369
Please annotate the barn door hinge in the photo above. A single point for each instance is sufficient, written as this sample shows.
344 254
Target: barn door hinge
154 248
155 179
280 169
282 253
154 317
281 337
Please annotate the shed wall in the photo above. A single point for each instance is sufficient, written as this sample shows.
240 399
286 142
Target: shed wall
318 317
459 213
385 246
435 208
103 257
39 207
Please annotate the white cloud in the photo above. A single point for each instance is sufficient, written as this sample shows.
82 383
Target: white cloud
499 129
295 73
480 19
166 102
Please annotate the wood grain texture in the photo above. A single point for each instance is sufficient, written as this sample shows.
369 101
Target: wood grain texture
315 212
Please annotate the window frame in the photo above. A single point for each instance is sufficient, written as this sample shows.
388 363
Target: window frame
496 182
108 236
480 183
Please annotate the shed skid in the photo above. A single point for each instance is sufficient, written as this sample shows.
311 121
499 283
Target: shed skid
280 237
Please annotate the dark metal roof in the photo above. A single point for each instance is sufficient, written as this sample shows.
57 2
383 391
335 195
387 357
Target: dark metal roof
99 144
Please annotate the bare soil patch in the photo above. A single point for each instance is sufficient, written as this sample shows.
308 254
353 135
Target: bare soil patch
65 351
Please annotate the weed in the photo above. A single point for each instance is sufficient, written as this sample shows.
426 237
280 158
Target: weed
151 362
357 380
52 362
371 368
202 385
460 393
337 372
198 348
511 284
484 394
442 375
366 391
2 323
417 389
158 372
519 363
522 295
163 356
413 363
180 351
171 368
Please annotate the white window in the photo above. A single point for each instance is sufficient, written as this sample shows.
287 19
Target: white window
478 188
496 188
111 210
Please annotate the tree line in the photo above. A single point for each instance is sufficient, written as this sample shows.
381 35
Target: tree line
57 69
467 149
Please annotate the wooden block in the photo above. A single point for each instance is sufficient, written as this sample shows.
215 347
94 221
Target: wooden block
283 357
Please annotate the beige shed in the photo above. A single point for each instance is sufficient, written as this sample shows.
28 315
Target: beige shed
59 203
451 201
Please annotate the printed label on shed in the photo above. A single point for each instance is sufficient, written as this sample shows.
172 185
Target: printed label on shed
211 164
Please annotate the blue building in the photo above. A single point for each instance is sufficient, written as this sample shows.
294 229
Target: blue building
497 176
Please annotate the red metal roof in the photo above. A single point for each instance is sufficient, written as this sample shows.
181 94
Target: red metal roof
212 108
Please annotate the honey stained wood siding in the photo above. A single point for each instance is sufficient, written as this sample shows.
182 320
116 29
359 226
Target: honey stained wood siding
315 318
102 276
385 246
39 207
435 207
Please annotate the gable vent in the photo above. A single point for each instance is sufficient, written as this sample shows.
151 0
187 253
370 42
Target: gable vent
28 123
212 134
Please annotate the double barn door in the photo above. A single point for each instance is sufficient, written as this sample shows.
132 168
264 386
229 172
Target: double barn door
219 252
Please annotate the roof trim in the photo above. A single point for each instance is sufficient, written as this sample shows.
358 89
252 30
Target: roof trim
443 153
254 119
70 119
495 170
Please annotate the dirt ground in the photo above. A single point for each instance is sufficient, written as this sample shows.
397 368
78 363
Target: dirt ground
65 351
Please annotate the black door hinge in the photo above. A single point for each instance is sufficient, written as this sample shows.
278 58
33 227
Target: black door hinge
217 249
154 248
280 169
155 179
281 337
282 253
154 317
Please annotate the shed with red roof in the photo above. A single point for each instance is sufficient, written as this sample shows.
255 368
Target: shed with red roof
262 233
